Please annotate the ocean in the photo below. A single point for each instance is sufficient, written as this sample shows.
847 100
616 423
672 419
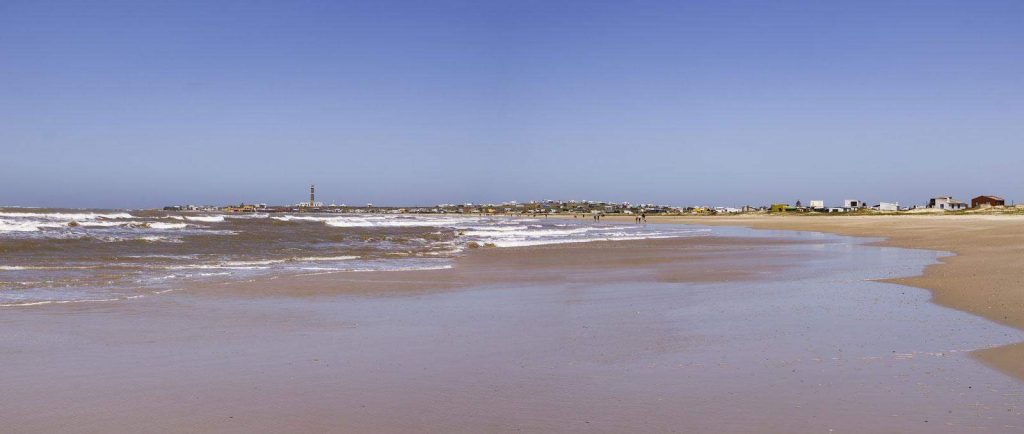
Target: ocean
63 255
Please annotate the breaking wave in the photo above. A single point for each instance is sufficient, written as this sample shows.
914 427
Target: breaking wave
53 256
206 219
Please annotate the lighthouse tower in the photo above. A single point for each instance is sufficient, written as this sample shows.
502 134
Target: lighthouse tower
309 206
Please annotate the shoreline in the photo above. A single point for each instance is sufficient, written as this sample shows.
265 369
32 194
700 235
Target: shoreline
738 332
983 277
581 262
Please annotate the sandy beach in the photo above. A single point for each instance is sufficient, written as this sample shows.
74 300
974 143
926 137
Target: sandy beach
985 277
485 217
744 331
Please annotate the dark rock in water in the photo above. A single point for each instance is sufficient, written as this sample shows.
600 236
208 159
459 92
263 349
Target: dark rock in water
73 224
472 245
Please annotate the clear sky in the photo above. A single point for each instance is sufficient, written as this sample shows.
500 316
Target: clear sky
138 104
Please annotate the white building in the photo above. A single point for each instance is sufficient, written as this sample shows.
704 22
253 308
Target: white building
817 204
946 203
888 207
853 204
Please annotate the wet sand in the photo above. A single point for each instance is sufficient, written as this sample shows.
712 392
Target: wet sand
985 277
707 334
699 259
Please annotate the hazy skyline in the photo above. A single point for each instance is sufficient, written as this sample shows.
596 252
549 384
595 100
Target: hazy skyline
143 104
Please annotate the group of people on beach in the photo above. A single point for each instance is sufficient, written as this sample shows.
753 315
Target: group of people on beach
640 218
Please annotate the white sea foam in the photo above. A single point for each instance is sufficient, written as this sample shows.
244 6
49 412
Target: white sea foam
14 226
206 219
159 256
394 268
246 216
157 239
383 221
322 269
569 234
344 222
543 242
536 233
288 218
216 267
82 300
252 263
188 275
259 264
162 225
33 267
229 265
31 222
326 258
67 216
496 228
101 223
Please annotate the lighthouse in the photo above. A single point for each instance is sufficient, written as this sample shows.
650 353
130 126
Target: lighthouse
312 200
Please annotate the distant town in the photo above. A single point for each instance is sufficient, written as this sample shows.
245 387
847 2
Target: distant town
935 204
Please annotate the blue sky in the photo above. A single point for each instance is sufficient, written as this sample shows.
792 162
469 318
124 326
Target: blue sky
139 104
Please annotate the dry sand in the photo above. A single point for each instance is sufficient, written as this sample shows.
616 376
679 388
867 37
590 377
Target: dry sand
985 277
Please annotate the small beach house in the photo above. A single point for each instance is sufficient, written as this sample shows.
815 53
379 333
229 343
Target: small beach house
852 204
887 206
946 203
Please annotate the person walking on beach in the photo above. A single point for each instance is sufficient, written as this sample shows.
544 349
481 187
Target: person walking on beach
643 217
